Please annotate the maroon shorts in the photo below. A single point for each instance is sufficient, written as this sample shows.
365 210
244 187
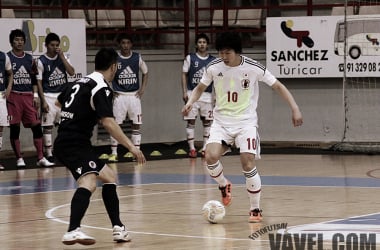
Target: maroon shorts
21 109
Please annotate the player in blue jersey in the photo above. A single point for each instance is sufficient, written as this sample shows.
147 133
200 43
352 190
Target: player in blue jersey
192 71
83 104
128 92
6 78
236 83
23 101
53 68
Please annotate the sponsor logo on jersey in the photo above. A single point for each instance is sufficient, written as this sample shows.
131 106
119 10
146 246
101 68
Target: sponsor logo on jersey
57 78
22 76
127 77
198 75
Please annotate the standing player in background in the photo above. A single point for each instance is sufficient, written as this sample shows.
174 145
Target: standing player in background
192 71
236 79
53 68
6 78
128 92
23 101
84 103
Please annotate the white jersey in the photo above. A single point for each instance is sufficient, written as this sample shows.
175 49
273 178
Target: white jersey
236 90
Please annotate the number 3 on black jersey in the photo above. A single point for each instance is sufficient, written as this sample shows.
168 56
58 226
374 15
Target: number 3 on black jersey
76 88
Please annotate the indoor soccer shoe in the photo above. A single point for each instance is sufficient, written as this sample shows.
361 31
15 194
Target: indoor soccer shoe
226 194
43 162
20 162
104 157
193 153
120 234
113 158
77 236
255 216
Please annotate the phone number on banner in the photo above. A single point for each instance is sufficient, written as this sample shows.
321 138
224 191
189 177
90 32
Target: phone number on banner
360 67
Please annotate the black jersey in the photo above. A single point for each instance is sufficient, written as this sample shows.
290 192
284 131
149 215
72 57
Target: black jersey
83 103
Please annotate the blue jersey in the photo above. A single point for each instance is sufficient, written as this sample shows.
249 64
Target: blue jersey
54 75
2 72
127 74
22 72
197 67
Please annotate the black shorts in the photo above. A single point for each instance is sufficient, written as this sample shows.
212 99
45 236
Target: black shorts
79 159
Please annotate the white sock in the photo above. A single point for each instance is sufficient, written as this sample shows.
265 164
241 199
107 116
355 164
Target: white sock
216 172
190 131
113 146
136 138
48 142
253 184
206 135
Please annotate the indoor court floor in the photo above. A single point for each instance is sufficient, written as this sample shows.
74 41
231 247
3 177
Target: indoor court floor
309 201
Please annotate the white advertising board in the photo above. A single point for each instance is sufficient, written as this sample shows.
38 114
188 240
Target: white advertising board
72 33
304 47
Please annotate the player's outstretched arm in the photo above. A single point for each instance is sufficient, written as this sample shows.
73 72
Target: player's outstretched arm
288 97
115 131
195 94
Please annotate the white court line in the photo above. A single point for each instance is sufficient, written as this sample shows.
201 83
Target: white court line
49 214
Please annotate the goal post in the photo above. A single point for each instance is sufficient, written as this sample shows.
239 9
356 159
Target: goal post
361 94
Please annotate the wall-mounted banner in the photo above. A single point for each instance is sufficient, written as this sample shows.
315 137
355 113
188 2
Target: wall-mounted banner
72 33
303 47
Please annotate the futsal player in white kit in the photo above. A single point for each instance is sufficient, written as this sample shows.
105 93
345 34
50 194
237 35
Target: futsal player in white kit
235 78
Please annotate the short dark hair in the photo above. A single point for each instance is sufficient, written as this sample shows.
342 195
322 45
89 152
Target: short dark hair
52 37
228 40
16 33
200 36
123 36
104 58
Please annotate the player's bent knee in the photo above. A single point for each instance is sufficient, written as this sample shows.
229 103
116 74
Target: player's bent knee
88 181
107 175
211 157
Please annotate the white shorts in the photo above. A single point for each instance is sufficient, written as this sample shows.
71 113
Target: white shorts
204 109
4 121
54 115
127 106
246 138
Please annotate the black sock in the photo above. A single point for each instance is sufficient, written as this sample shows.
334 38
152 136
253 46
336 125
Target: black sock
111 202
79 205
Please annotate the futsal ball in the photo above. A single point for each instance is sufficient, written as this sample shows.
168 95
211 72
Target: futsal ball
213 211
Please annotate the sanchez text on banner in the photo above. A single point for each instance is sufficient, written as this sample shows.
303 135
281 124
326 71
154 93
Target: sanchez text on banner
313 46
